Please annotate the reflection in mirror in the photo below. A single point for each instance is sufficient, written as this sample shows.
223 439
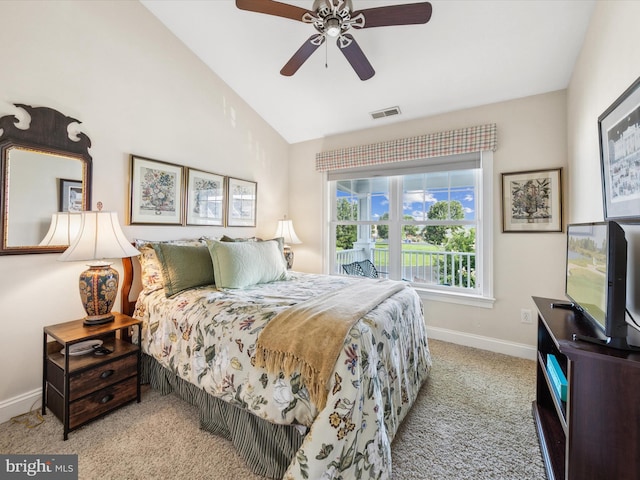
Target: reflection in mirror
38 187
45 169
63 230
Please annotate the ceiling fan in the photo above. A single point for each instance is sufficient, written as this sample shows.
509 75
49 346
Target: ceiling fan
333 18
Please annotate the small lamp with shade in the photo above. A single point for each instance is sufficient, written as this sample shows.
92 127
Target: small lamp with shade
100 238
286 231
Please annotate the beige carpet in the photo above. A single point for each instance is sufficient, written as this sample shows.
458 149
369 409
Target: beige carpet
472 420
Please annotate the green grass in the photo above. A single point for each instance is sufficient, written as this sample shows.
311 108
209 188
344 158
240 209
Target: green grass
587 284
420 247
409 260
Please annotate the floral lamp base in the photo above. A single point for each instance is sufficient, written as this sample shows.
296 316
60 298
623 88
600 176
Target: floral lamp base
288 256
98 289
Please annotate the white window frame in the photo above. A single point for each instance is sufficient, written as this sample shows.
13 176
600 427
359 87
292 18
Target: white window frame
484 241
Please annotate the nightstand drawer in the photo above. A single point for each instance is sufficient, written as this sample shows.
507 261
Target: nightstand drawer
102 376
102 401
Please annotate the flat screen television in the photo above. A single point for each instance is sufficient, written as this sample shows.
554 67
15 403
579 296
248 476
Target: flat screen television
596 279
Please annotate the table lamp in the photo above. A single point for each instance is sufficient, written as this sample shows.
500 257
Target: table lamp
285 230
100 238
63 229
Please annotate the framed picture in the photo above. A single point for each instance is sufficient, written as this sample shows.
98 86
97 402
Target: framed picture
532 201
619 131
156 192
70 195
205 198
241 202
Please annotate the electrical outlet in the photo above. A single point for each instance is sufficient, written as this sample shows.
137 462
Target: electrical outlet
525 315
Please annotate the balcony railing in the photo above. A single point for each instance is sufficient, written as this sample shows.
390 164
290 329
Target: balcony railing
435 268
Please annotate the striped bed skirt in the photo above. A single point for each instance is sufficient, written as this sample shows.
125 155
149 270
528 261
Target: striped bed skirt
266 448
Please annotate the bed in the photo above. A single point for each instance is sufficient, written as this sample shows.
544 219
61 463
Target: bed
325 398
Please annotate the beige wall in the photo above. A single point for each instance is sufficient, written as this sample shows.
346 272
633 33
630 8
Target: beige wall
136 89
531 135
608 64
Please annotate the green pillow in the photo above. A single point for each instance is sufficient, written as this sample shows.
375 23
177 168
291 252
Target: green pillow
226 238
241 264
280 240
184 267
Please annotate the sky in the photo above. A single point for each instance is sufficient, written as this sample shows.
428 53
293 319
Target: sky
421 191
417 204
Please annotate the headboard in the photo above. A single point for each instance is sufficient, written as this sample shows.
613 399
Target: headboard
131 270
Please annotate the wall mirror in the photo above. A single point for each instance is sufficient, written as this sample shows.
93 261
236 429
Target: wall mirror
45 169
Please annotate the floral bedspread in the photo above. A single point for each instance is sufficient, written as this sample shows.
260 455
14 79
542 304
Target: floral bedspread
208 336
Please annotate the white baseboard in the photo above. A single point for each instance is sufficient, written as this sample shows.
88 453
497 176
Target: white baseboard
20 404
485 343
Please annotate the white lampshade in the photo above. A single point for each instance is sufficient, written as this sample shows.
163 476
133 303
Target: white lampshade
100 238
63 229
285 230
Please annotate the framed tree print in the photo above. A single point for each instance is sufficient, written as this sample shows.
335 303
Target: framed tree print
532 201
241 205
205 198
619 131
156 192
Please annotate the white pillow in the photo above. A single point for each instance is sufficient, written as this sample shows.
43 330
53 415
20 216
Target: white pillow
241 264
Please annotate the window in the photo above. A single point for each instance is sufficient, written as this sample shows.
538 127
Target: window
423 223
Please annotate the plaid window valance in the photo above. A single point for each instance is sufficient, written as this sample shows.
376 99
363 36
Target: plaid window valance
453 142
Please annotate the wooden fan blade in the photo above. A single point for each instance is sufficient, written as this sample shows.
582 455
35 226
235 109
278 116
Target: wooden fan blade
271 7
408 14
356 57
302 54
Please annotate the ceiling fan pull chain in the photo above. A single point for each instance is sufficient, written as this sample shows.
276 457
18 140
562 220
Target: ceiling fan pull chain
326 55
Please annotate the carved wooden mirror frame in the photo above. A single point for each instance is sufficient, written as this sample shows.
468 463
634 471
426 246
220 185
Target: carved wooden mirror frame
45 140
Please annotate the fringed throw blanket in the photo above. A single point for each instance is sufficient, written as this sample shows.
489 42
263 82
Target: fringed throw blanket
308 336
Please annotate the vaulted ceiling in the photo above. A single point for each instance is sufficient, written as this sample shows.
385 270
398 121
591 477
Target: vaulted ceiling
470 53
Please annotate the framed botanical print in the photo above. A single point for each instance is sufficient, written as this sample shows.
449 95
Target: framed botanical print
532 201
205 198
241 202
619 130
156 192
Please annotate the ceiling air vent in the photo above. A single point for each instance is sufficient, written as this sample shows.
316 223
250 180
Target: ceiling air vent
387 112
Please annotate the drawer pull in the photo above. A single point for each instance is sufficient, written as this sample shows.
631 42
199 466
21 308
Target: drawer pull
107 373
106 398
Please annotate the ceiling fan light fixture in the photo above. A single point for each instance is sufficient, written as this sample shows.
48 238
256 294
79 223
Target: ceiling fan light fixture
332 26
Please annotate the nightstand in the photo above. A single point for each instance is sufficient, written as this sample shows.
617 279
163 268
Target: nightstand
82 388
